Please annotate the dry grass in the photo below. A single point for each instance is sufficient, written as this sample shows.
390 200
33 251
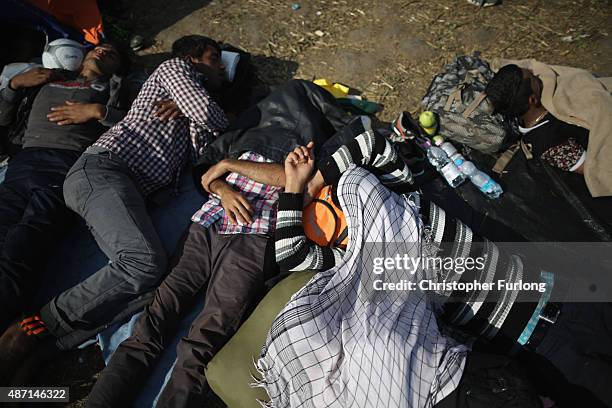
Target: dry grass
390 50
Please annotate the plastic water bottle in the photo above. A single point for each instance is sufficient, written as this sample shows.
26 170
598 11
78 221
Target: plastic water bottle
437 157
445 166
452 174
448 148
451 152
479 178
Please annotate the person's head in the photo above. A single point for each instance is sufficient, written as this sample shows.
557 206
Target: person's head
105 60
205 55
514 91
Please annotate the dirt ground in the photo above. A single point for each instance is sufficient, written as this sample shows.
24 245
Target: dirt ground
389 50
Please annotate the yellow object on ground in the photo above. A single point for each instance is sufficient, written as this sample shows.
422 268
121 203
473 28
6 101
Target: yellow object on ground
336 89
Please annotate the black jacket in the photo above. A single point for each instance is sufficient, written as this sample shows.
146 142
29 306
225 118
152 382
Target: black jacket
292 115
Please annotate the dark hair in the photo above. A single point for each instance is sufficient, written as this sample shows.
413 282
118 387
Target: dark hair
509 92
125 56
193 46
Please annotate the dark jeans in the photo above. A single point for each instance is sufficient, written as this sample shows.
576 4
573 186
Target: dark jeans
100 188
229 270
33 217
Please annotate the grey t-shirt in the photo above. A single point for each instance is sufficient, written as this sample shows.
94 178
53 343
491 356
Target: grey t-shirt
41 132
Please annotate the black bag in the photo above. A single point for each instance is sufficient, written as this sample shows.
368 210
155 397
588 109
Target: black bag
236 96
541 203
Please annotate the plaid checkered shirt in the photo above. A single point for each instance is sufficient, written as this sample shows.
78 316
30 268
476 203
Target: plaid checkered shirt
156 151
262 197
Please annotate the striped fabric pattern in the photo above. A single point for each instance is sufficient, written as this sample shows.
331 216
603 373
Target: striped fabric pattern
294 251
373 152
455 239
341 343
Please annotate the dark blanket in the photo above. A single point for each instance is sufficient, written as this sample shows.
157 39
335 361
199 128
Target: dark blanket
292 115
540 203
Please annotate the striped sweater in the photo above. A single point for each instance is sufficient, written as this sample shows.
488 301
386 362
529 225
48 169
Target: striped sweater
294 251
494 315
491 315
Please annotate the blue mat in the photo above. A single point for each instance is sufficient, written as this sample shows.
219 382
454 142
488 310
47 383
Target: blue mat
78 257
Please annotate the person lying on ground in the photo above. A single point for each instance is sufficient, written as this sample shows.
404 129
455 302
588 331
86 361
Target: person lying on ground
69 112
572 95
517 92
222 255
108 186
479 313
341 340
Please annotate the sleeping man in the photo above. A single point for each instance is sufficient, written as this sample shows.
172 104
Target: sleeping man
222 256
68 114
108 186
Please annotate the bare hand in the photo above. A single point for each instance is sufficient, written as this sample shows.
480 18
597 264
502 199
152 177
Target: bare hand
74 112
236 207
34 77
299 165
213 173
167 110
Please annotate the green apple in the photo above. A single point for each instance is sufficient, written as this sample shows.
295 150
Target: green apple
427 119
438 140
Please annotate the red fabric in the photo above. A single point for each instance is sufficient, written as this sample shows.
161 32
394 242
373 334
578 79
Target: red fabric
83 15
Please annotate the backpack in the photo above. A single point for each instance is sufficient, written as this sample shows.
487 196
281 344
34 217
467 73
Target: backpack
324 223
457 96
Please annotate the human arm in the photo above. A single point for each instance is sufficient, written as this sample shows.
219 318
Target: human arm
182 84
167 110
294 251
271 174
72 113
11 95
374 152
9 101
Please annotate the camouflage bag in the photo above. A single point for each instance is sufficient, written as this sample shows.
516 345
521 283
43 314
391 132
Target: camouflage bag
457 96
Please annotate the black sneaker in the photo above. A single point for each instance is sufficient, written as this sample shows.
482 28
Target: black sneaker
405 128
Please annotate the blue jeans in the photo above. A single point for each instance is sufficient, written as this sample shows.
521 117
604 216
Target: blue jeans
33 217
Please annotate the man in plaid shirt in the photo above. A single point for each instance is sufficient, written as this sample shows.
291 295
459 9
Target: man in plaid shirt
224 254
109 184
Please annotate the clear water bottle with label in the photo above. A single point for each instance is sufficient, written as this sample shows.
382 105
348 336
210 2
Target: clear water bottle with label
452 174
440 160
451 152
479 178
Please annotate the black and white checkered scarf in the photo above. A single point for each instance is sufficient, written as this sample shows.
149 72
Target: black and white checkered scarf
340 343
